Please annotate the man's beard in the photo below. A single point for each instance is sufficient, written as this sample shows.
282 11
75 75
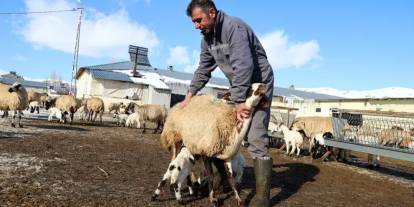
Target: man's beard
207 32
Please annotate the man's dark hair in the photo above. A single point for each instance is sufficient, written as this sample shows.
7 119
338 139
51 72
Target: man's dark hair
203 4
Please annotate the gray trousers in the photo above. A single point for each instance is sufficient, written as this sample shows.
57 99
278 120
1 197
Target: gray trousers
257 136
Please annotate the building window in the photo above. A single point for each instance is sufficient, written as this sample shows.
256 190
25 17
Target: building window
318 109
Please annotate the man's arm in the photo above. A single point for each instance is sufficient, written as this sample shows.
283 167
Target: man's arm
241 60
203 73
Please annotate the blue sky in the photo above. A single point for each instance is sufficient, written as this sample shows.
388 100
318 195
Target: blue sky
348 45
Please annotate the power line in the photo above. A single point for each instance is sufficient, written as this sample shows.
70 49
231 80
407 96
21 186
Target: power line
40 12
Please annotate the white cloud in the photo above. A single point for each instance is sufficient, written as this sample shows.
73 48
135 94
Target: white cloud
102 35
2 72
178 56
283 54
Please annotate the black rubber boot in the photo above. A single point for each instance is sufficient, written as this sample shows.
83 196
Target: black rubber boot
262 172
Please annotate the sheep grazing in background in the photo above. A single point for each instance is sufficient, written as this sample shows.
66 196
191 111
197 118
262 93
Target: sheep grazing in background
116 107
94 107
54 112
13 98
179 174
43 99
312 126
133 120
292 138
35 97
152 113
392 136
67 104
210 128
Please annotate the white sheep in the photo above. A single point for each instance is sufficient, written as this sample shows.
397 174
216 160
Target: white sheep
121 119
34 106
210 128
95 106
13 98
133 120
179 174
54 112
292 138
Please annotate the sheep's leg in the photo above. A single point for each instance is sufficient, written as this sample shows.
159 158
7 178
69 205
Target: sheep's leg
287 147
158 126
210 177
230 179
293 148
37 109
94 118
177 192
144 125
71 117
20 118
13 116
161 184
298 149
100 116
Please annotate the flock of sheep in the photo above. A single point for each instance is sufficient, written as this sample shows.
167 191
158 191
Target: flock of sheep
206 128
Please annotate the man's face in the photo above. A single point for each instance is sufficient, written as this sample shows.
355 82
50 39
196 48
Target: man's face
202 20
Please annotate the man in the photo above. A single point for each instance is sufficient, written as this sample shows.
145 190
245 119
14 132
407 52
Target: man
229 43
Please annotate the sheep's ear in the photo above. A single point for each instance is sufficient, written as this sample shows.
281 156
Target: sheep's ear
10 90
171 167
264 102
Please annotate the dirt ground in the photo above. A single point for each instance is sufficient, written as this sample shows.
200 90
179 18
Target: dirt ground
51 164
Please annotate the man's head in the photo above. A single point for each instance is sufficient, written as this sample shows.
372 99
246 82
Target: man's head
203 14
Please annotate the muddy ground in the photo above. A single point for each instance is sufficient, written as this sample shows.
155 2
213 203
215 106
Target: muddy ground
51 164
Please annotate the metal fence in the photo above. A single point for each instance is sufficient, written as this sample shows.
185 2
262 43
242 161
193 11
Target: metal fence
380 133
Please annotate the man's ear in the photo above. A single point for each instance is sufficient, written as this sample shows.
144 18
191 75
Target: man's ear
212 13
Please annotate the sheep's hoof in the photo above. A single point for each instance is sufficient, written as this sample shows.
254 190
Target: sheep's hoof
13 125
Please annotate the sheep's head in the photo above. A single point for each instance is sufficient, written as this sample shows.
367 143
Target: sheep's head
15 87
255 94
178 167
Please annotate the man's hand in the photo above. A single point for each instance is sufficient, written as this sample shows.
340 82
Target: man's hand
242 111
186 100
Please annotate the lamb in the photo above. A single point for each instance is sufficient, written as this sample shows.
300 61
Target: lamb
180 169
152 113
67 104
133 120
43 99
292 138
95 106
210 128
120 119
13 98
55 112
272 127
313 125
179 174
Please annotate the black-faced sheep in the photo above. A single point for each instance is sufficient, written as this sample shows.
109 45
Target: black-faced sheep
34 99
209 128
13 98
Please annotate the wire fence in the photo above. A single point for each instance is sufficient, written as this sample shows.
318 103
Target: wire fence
382 130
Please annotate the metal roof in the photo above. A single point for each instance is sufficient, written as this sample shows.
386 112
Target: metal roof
25 83
110 75
278 91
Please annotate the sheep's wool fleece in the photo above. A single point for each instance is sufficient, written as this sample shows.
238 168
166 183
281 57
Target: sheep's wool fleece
95 104
13 101
33 96
207 126
314 125
66 103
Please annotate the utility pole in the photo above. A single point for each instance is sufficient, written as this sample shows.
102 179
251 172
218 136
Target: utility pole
76 54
